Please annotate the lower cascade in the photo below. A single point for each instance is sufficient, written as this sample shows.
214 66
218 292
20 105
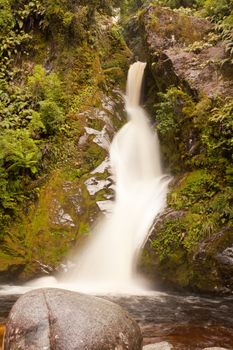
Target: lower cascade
106 264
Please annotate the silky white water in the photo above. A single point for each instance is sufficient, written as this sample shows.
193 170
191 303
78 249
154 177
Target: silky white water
107 263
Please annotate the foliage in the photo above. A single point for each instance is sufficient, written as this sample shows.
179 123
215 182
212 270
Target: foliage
200 133
18 152
173 114
176 4
51 115
204 206
19 159
196 187
171 110
168 238
52 60
218 138
6 16
217 10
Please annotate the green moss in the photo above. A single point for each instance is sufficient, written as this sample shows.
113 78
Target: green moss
194 187
181 26
168 238
26 242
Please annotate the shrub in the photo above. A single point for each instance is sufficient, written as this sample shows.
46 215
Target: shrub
171 111
18 152
218 9
52 116
6 17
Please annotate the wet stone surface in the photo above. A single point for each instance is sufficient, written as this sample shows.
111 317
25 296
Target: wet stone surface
52 318
185 322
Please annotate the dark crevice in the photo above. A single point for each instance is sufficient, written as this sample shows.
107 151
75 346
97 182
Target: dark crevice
51 320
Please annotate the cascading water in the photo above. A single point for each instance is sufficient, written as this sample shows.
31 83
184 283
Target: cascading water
107 262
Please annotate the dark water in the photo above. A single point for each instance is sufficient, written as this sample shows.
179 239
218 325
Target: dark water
187 322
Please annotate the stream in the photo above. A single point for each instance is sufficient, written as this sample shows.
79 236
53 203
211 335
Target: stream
188 322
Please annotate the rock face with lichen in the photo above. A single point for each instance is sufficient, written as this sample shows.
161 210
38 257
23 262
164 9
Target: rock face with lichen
184 50
64 320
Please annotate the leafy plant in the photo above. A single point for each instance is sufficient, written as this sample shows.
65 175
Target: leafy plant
52 116
218 9
171 110
168 238
18 152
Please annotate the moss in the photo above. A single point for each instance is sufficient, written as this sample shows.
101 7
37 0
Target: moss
26 242
114 57
194 187
181 25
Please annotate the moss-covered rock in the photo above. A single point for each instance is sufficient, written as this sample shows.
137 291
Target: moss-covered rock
183 50
190 246
191 243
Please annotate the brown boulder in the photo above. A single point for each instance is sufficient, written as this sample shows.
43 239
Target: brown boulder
59 319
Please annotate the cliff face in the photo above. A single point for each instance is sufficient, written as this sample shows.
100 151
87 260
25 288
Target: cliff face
190 89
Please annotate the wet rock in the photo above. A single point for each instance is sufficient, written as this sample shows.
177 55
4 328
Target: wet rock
64 320
149 262
226 257
95 185
201 70
166 28
209 268
158 346
101 137
105 206
83 140
60 217
102 167
181 53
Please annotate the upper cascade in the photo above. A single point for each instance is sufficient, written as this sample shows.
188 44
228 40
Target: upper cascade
134 84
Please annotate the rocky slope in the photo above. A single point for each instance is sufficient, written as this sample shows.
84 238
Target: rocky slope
190 89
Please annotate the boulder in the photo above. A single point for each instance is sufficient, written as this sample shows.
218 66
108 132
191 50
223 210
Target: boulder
63 320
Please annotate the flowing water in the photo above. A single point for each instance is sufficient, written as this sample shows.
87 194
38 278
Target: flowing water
106 265
107 262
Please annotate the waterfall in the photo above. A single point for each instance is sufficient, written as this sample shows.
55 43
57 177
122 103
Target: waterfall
106 264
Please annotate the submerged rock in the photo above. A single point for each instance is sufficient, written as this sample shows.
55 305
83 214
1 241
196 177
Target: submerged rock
64 320
158 346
